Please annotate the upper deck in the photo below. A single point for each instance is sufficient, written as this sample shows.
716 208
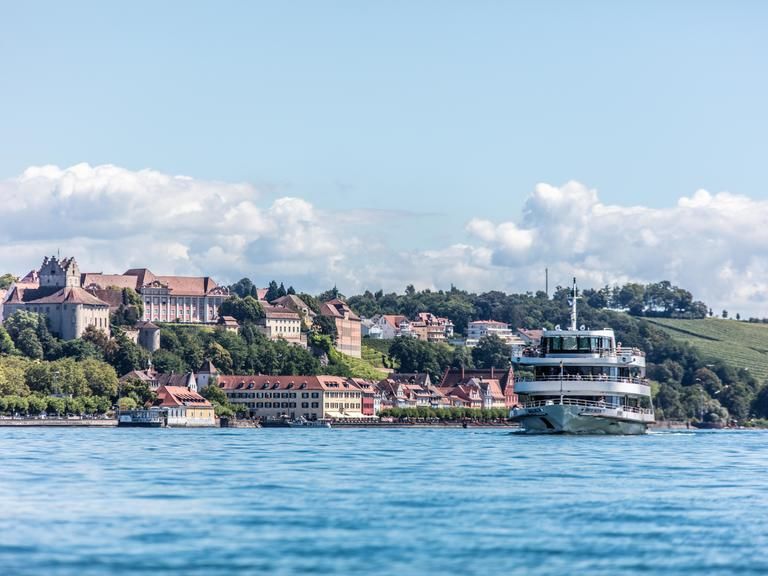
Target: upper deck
585 347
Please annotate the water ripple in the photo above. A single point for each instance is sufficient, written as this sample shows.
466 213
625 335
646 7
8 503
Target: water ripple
406 501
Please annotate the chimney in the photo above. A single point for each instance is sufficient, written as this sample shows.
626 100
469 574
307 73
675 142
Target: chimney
462 371
491 372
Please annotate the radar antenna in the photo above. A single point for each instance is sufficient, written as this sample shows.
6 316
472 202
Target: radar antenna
572 301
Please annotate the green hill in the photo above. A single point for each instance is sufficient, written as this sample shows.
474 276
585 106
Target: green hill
739 344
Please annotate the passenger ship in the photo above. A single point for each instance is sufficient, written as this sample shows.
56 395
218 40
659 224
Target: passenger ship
583 382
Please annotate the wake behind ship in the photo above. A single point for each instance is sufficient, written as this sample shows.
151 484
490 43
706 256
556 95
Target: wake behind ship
583 382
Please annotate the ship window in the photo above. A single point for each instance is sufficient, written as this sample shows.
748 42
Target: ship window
569 343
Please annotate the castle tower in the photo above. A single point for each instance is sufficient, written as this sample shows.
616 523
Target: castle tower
59 273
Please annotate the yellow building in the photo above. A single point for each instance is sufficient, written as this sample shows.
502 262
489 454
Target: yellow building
308 397
184 407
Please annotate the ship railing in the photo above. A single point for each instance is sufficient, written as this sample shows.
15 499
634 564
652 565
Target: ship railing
584 377
600 352
596 404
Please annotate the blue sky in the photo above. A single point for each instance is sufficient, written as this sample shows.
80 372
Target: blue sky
415 117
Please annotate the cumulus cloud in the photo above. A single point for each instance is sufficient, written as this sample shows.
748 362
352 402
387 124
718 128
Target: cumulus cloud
112 219
713 244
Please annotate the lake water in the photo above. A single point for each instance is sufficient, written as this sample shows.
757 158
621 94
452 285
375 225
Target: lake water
391 501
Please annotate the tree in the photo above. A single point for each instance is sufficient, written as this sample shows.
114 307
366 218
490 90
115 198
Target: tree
100 377
69 377
273 292
760 403
29 344
462 358
220 357
20 320
6 280
81 349
125 355
219 400
12 376
37 404
6 343
127 403
725 314
97 337
414 355
56 405
165 361
281 291
243 287
130 311
492 352
244 310
331 294
327 326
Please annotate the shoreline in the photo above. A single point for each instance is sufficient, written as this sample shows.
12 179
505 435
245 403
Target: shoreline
53 423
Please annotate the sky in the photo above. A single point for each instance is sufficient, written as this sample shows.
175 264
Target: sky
379 144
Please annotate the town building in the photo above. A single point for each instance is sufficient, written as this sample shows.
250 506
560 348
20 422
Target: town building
184 299
293 302
481 328
371 396
156 380
206 374
149 377
279 322
349 334
477 393
309 397
185 407
55 292
454 377
426 327
228 323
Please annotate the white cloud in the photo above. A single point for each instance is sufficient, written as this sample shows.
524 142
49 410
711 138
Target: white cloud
111 219
713 244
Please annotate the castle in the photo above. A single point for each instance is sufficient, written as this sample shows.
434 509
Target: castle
56 292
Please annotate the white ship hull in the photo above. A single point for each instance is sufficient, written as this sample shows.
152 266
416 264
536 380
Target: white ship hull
571 419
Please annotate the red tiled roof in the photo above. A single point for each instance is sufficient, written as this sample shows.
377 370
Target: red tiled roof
105 281
70 295
143 274
169 396
174 380
208 367
455 376
280 312
284 383
293 302
337 308
394 320
143 375
248 382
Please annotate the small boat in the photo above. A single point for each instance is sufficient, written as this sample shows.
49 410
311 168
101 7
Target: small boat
304 423
142 419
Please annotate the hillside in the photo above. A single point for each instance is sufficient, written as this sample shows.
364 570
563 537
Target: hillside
739 344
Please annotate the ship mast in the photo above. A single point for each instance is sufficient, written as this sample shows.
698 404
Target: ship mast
574 297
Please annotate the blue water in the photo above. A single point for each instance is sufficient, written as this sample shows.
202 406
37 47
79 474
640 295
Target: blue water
394 501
